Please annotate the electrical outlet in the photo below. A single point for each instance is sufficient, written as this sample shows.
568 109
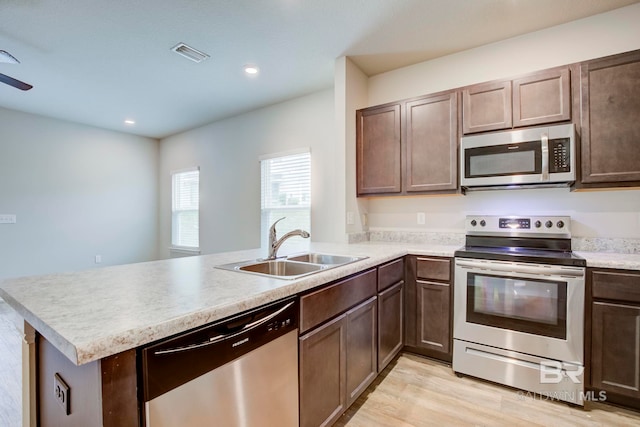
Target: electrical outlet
62 393
351 219
98 259
421 218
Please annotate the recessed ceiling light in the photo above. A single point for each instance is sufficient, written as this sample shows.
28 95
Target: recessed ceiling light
252 70
129 122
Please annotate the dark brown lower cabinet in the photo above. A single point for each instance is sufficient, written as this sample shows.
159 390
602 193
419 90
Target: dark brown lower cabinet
390 323
362 360
614 362
434 311
323 361
615 355
428 309
338 361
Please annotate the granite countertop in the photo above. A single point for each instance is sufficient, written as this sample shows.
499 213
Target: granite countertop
92 314
611 260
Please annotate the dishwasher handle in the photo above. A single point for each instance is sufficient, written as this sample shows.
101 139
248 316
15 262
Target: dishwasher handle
218 338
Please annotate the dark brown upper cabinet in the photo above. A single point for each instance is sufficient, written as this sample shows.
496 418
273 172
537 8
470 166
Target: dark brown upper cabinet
408 147
486 106
431 143
533 99
378 136
542 97
610 94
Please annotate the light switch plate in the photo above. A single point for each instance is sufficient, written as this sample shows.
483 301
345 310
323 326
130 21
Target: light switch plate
421 218
7 219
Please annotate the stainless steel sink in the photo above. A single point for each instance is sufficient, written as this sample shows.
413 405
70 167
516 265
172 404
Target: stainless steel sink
292 267
282 268
324 259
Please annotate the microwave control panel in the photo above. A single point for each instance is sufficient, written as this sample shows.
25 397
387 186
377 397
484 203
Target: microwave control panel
559 155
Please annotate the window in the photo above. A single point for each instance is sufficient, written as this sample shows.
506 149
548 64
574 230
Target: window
286 192
185 216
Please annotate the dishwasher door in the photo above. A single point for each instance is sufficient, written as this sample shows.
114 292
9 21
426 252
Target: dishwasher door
242 372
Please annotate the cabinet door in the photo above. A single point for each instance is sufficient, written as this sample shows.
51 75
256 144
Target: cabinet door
615 348
323 373
542 97
390 325
434 308
361 348
610 127
378 150
486 106
432 140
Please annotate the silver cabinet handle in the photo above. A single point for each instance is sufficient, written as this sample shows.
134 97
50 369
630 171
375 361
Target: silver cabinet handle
545 157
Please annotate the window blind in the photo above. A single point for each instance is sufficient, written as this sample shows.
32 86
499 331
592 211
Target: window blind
185 210
286 192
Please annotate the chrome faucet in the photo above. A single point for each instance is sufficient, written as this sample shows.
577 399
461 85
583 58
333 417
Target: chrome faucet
274 243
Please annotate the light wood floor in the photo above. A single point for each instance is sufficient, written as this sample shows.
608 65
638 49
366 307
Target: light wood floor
10 368
414 391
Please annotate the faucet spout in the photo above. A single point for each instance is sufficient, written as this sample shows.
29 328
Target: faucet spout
275 243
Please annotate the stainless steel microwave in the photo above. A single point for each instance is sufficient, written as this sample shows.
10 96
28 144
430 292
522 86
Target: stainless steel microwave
532 157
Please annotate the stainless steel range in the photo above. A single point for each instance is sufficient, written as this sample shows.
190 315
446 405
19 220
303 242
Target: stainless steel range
519 305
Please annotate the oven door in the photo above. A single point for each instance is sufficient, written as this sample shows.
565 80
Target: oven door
529 308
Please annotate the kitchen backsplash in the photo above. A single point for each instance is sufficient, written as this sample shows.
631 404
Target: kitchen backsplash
584 244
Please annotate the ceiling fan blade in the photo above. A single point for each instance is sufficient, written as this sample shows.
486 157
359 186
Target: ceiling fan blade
15 83
7 58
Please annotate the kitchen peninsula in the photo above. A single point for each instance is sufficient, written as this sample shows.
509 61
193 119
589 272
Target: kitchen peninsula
101 316
94 320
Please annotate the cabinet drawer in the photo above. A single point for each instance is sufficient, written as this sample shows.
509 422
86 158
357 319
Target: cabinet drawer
334 299
433 268
390 273
616 285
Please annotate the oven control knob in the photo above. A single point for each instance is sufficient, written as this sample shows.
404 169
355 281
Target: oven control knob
538 224
474 223
560 224
548 224
483 223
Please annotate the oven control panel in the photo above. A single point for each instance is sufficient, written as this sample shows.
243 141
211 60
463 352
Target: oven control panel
515 225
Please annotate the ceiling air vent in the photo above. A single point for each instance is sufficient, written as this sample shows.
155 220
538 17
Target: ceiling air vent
190 53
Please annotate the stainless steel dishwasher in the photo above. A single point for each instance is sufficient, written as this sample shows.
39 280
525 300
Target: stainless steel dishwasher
242 371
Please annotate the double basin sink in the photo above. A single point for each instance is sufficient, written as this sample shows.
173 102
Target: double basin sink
292 267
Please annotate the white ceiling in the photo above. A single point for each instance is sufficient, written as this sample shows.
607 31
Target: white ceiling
100 62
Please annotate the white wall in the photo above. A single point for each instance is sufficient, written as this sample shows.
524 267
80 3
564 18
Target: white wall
227 153
601 213
77 191
350 95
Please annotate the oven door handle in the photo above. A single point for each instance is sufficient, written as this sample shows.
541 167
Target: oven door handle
519 268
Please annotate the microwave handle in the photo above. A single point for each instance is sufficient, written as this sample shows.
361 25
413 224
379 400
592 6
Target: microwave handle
545 157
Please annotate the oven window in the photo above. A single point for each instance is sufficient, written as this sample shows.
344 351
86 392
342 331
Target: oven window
527 305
